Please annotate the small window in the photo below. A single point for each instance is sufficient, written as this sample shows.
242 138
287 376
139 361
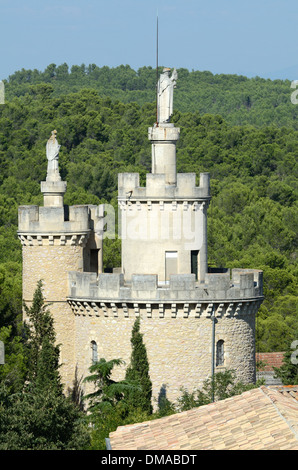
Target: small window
94 261
94 352
194 262
220 353
170 264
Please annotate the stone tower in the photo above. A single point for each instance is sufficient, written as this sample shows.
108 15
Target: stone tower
194 321
57 239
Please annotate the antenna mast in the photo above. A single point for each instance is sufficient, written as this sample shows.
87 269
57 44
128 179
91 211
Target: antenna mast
157 70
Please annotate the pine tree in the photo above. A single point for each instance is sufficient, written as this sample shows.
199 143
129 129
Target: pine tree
42 351
138 372
108 393
108 405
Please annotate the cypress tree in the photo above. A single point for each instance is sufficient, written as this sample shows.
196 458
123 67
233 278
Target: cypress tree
138 372
43 353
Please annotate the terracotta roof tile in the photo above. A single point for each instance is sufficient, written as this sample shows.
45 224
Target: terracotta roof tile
263 418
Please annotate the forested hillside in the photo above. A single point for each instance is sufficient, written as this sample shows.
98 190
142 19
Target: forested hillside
243 131
238 99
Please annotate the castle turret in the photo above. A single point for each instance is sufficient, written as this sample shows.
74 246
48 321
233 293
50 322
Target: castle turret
167 217
186 311
57 239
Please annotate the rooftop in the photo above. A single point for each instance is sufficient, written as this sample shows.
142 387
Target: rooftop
264 418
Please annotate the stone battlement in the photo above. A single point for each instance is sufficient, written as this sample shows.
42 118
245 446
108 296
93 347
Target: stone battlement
68 219
157 189
244 284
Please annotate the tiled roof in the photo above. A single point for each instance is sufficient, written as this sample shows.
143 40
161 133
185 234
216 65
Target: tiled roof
264 418
270 360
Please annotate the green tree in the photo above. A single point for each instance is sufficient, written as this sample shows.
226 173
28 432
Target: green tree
288 372
43 351
223 386
13 373
40 420
108 407
40 417
108 392
10 294
138 371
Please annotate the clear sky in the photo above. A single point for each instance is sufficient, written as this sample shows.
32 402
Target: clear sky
253 37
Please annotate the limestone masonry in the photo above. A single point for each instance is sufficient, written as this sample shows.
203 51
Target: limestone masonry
194 321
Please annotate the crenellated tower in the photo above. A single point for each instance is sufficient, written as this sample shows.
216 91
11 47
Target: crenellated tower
164 224
194 320
57 239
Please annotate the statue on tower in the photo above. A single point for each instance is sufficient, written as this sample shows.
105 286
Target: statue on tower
165 88
52 149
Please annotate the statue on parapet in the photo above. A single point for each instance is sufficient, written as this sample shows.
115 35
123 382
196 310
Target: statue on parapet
165 92
52 149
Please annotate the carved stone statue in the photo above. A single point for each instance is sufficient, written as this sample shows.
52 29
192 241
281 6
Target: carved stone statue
165 87
52 149
53 188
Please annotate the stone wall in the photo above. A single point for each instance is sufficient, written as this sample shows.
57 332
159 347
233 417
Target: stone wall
179 349
51 265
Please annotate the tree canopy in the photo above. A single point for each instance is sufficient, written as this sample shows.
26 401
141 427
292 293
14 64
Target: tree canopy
34 412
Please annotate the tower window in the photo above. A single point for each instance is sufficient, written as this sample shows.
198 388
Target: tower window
94 352
94 261
194 262
220 353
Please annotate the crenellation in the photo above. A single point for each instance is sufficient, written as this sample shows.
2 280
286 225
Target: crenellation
146 286
182 282
156 188
44 220
143 282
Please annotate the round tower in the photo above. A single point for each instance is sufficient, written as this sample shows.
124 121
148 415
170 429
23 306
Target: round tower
194 322
55 240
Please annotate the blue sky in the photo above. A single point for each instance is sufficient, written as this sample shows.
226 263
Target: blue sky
255 37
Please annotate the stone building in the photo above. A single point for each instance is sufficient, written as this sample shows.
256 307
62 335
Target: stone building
194 321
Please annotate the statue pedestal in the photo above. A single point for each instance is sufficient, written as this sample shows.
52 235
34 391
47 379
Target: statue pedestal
53 192
163 139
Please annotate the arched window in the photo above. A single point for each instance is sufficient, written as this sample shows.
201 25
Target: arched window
94 352
220 353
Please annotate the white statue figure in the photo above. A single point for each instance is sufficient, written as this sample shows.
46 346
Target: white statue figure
165 87
2 92
52 155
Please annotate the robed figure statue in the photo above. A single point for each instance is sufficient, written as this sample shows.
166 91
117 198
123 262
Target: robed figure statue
165 87
52 149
